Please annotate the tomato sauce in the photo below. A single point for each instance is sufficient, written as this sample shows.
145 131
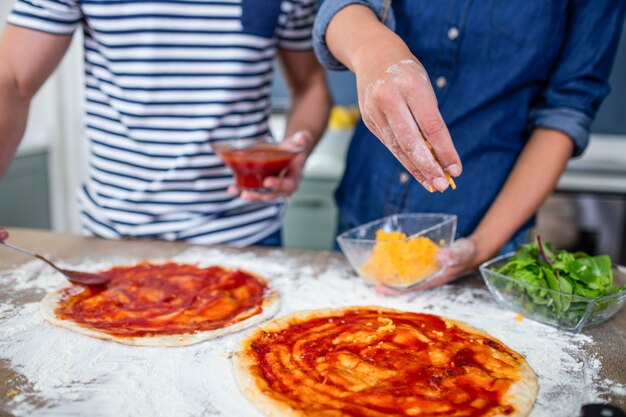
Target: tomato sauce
366 363
164 299
255 163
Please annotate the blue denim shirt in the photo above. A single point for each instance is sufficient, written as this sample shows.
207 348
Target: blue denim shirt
499 68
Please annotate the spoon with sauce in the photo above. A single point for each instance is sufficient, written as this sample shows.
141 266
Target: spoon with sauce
77 277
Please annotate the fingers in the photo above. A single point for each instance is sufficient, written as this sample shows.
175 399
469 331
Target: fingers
299 140
376 121
372 115
402 110
4 235
412 143
282 186
233 190
439 281
254 196
394 146
461 253
423 104
457 261
448 276
266 197
390 292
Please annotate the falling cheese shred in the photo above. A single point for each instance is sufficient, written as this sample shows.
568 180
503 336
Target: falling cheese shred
448 176
386 325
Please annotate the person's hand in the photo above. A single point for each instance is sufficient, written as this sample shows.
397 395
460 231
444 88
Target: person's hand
287 183
458 260
4 235
399 106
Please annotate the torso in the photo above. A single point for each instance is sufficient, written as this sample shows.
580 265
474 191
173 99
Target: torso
164 80
494 62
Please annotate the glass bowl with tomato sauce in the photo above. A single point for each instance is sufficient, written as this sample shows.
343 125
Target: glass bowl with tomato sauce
253 160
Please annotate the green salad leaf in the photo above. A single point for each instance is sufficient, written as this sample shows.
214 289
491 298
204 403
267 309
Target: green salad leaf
568 274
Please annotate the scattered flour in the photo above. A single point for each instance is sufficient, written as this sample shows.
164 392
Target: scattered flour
67 374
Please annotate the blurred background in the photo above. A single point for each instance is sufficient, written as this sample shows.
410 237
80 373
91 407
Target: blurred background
587 210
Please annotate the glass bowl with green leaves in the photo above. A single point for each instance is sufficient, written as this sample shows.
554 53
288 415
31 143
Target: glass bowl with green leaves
567 290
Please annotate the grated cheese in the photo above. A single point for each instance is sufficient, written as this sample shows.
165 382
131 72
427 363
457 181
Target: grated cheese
398 260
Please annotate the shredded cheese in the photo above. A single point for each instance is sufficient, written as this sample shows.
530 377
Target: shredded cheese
386 325
402 261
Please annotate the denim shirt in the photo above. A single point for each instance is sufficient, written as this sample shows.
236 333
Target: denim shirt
499 69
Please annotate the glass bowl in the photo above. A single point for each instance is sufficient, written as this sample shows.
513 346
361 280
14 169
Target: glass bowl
255 159
538 303
399 263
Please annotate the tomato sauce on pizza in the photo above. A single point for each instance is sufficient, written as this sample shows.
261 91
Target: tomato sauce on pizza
164 299
365 362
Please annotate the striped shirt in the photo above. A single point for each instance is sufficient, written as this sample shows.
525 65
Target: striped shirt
165 79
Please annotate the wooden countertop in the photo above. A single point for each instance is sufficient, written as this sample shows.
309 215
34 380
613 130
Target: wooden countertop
610 337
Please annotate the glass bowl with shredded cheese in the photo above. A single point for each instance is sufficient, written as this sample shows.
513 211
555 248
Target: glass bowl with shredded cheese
399 251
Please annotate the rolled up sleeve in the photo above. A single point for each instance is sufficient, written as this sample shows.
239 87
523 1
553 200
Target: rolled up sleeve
328 10
579 81
574 123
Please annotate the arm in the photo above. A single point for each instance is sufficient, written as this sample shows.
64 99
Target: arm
311 100
561 123
306 120
561 120
397 101
27 58
532 179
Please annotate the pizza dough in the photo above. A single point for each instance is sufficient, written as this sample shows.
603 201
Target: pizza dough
163 304
375 362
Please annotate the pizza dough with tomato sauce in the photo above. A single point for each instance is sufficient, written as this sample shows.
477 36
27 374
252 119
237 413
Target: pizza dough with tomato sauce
378 362
163 304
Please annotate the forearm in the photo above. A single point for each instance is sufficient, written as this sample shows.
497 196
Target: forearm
533 178
13 115
27 58
353 46
310 107
396 98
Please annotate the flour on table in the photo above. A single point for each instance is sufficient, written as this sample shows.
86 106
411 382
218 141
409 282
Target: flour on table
67 374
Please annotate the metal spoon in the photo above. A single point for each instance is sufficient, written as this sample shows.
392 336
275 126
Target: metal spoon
77 277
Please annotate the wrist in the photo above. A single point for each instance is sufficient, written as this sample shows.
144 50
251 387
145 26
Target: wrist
484 247
381 48
302 138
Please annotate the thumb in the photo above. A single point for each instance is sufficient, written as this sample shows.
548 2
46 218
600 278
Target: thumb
4 235
302 138
459 253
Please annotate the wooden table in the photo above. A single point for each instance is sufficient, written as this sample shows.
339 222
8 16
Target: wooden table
610 337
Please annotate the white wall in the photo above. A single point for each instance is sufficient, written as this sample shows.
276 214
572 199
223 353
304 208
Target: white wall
68 148
55 123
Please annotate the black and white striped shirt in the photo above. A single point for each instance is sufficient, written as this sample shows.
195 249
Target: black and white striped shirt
165 79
